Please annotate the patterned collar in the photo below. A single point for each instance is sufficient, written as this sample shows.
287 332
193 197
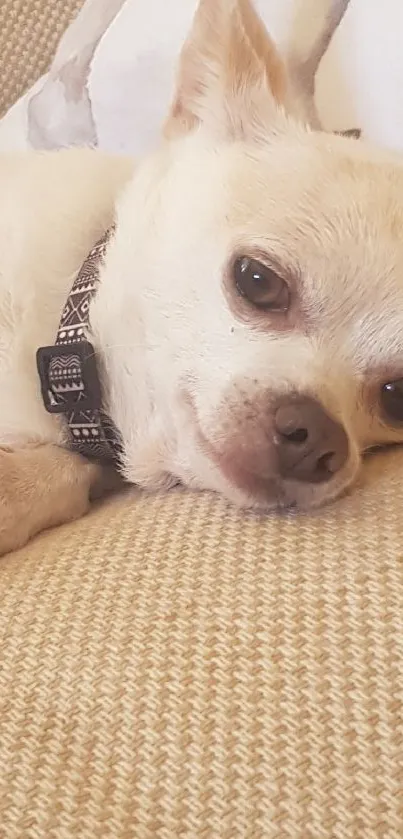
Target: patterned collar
70 381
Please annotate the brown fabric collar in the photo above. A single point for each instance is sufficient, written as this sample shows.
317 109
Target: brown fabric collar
70 381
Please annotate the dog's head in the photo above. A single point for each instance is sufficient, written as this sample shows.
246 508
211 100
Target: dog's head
267 266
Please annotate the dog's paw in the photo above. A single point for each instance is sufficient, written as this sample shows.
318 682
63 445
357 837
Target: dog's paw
42 486
13 529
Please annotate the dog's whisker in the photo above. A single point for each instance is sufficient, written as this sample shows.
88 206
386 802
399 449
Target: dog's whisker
108 348
111 347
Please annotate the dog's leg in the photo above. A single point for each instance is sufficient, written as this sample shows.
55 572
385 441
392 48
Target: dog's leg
43 486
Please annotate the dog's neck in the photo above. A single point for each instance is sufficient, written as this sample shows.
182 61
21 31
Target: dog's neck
119 336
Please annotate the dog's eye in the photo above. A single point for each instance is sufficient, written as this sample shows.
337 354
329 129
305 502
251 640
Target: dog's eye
261 285
392 400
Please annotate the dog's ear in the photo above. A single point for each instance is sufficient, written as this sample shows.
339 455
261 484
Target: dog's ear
231 77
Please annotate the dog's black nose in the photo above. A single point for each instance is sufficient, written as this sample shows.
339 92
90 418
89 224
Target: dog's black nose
311 446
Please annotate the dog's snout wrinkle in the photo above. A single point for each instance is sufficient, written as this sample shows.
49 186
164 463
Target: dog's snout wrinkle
311 446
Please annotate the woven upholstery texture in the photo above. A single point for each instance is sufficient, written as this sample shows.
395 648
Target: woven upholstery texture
171 668
29 33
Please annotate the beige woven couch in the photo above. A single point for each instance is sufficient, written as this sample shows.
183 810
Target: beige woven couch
173 669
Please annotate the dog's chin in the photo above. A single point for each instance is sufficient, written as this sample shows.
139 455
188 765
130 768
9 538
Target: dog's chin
269 492
208 469
243 481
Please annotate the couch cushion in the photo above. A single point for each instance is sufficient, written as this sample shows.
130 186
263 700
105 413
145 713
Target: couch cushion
29 33
171 667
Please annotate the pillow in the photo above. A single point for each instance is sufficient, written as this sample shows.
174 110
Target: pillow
112 78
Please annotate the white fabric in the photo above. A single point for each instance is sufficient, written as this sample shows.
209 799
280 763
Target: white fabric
123 53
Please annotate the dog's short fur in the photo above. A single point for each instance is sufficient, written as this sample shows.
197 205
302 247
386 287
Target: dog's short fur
193 373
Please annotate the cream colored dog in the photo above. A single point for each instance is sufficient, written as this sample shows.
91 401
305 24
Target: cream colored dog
248 323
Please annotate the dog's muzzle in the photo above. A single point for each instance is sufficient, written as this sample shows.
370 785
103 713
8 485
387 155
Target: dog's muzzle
70 381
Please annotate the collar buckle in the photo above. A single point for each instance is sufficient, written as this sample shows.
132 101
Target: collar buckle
69 378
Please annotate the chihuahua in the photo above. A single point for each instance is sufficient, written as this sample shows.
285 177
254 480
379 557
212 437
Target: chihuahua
247 319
